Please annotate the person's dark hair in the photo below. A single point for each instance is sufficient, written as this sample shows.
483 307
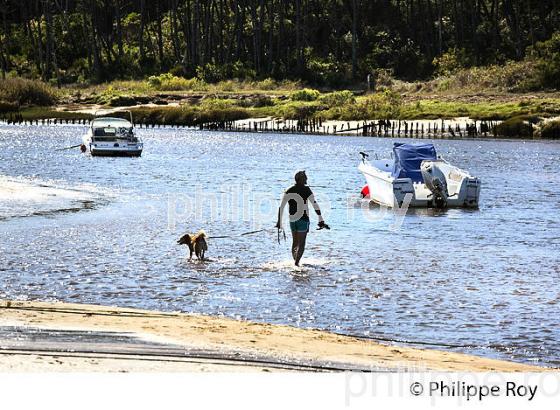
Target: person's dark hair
299 175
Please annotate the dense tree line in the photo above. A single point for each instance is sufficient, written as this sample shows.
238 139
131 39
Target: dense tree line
321 41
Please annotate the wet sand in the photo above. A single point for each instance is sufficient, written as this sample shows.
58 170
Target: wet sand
37 336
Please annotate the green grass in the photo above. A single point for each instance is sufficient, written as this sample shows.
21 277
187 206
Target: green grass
429 109
38 113
235 100
185 115
177 85
377 106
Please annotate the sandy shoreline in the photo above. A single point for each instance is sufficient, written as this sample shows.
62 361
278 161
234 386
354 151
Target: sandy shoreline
40 336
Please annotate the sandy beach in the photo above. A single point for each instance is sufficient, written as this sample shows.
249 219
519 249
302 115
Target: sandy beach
36 336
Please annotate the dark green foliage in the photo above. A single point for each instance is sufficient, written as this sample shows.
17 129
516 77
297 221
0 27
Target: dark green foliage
328 72
550 130
257 102
302 112
327 43
307 94
402 56
338 98
24 92
548 66
6 106
451 61
122 101
517 127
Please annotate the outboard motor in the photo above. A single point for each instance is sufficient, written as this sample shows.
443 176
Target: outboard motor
435 181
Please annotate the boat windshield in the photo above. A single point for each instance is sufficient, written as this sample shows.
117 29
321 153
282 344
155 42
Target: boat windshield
110 122
111 134
109 129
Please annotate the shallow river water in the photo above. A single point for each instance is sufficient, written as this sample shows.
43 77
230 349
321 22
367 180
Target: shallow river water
103 230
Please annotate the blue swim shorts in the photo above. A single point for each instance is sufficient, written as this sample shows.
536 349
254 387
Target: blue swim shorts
301 225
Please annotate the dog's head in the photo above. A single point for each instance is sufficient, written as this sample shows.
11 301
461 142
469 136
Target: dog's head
185 240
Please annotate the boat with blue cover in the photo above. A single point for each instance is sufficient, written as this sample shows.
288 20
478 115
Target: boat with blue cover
417 177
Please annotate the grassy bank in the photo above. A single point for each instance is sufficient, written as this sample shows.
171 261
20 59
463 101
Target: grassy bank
478 93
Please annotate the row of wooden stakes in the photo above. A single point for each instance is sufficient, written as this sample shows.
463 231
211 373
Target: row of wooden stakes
380 128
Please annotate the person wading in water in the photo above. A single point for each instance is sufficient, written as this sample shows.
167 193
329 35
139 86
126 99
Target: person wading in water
298 197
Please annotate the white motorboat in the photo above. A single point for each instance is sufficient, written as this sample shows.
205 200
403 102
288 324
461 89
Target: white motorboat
416 177
112 137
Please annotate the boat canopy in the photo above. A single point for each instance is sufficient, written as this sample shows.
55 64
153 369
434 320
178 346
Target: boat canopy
409 157
107 122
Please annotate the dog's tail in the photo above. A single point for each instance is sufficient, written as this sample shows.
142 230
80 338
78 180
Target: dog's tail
184 240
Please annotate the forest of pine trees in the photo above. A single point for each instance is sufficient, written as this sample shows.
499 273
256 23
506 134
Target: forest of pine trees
323 42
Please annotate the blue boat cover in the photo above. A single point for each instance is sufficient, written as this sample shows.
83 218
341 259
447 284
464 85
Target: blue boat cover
408 158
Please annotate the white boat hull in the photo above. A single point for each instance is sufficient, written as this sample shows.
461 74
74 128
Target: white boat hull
391 192
120 140
116 149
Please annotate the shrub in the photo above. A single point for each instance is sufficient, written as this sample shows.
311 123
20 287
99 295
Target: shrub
451 61
217 115
169 82
240 71
216 104
307 94
257 102
330 72
376 106
6 106
338 98
266 84
122 101
383 79
177 70
211 73
301 112
512 76
550 129
27 92
228 86
516 127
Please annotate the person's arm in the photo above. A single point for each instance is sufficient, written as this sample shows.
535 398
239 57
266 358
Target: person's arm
281 210
315 206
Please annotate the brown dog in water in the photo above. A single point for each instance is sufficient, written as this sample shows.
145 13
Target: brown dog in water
196 243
